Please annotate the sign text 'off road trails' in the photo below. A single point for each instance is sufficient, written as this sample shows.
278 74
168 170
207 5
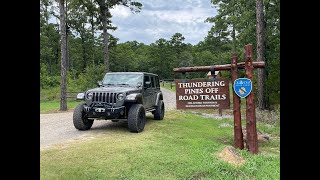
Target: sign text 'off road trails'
203 94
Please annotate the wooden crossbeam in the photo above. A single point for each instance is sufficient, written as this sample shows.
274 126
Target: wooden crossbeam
240 65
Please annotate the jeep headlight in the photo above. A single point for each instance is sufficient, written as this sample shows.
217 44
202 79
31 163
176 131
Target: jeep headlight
89 96
80 96
120 96
131 97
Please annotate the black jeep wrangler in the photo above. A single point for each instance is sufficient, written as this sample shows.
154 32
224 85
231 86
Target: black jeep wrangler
121 96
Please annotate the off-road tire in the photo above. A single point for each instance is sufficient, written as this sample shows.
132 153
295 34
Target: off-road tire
159 112
136 118
80 122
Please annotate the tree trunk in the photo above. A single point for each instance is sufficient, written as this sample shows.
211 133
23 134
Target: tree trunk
48 42
233 39
84 53
234 46
105 42
266 92
104 11
260 32
63 86
67 42
92 32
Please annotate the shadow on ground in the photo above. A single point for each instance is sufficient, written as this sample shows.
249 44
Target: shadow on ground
121 125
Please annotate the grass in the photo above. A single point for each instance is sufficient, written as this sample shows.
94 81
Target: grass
50 99
54 106
182 146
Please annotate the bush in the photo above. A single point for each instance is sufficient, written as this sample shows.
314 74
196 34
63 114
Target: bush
47 81
50 85
50 94
89 78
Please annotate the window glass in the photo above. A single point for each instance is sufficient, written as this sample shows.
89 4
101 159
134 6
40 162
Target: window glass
157 81
122 79
152 82
146 78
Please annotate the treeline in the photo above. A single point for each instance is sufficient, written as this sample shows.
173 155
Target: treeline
232 28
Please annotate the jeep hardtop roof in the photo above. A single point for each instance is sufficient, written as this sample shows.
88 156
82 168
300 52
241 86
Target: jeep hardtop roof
132 73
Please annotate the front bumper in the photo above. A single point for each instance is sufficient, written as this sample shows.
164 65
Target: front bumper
107 112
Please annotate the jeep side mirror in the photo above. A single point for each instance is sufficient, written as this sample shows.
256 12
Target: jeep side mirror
99 83
139 84
147 84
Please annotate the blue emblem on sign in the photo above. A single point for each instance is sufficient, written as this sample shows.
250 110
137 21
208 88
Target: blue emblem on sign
242 87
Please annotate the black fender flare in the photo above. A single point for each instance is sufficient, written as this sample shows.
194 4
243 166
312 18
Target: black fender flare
138 98
159 97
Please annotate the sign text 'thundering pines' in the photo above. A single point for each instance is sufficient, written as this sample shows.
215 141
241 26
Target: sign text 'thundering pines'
203 94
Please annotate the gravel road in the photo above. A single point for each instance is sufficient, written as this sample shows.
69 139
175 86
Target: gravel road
57 128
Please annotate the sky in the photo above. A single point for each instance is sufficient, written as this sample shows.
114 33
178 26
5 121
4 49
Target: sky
163 18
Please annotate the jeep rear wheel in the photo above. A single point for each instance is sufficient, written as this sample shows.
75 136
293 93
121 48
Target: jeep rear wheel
136 118
80 121
159 112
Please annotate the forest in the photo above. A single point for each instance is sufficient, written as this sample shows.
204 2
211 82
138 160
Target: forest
233 26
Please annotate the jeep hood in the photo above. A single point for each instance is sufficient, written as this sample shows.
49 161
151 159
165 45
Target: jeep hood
114 89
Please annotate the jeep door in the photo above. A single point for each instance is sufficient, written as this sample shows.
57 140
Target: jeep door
154 91
147 91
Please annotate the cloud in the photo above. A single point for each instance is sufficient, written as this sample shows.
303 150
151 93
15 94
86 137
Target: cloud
163 18
120 12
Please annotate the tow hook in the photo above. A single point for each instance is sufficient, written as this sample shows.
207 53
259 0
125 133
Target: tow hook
86 108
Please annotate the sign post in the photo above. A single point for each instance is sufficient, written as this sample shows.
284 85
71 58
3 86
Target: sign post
238 135
252 139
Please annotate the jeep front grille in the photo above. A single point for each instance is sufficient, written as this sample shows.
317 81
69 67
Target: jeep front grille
104 97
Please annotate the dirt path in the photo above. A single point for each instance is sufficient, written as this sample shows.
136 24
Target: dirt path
58 128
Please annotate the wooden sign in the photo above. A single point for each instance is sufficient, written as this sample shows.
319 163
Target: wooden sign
184 99
203 94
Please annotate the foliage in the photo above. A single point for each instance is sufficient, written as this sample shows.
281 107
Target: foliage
47 81
89 78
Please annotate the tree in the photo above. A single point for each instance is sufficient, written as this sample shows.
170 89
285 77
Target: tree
159 57
77 20
46 34
177 43
225 23
272 52
63 86
260 27
105 16
178 46
92 12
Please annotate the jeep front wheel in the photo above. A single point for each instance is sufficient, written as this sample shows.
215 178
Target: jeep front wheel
159 112
81 122
136 118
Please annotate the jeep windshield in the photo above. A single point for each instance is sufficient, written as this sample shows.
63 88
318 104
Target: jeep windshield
122 80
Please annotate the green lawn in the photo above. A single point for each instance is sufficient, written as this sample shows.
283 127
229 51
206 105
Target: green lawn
54 106
182 146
